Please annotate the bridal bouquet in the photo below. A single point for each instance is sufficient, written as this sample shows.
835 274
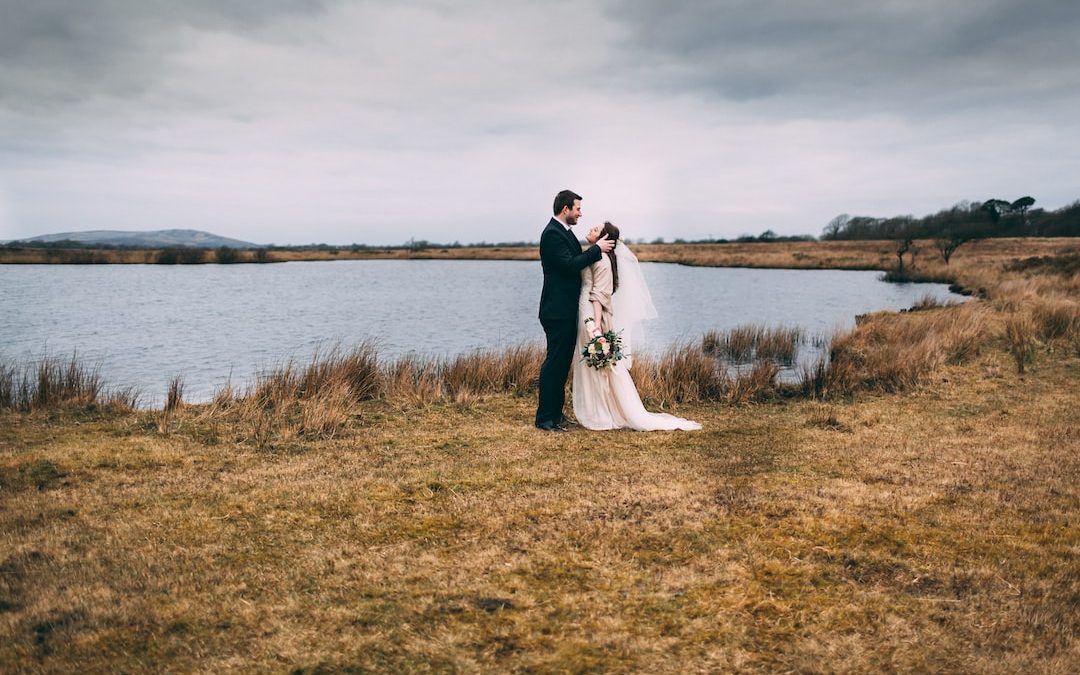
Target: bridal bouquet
602 351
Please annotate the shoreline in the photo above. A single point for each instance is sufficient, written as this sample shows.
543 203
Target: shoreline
869 255
205 390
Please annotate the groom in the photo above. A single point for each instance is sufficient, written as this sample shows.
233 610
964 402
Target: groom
562 260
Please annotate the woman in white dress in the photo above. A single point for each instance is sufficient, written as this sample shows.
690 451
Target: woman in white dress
614 297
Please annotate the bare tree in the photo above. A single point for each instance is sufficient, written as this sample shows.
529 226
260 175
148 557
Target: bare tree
948 243
835 227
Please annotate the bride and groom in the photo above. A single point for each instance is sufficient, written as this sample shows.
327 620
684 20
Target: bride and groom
585 294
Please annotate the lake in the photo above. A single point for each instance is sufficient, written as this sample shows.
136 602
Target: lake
146 323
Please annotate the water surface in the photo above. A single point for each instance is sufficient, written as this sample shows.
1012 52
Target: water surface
146 323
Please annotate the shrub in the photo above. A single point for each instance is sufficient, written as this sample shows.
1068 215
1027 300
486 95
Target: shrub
181 255
226 255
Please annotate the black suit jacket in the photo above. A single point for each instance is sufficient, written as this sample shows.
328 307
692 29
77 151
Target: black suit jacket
562 260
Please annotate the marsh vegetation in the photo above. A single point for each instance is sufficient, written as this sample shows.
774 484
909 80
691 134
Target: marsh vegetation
908 505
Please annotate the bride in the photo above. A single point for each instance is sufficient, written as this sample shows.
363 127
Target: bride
614 297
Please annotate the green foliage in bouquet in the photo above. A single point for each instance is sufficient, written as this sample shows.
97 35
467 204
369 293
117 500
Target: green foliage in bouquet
603 350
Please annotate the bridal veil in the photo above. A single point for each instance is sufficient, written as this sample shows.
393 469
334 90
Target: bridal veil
631 304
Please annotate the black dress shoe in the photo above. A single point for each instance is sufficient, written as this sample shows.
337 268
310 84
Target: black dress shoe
550 426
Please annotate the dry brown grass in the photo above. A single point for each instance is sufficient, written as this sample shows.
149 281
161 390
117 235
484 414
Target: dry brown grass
744 344
738 344
290 403
894 352
1020 336
1042 311
1047 252
687 373
930 301
1057 319
932 529
51 381
684 373
927 531
174 400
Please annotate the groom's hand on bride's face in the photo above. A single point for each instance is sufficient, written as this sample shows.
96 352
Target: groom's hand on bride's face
604 244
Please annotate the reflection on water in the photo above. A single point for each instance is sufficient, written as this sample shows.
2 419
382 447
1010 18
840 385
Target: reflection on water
146 323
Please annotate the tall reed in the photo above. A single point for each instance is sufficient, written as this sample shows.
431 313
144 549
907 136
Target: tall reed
929 301
516 369
747 343
780 343
413 379
53 381
8 386
683 373
739 342
174 400
756 384
892 352
315 400
687 373
1020 336
1057 318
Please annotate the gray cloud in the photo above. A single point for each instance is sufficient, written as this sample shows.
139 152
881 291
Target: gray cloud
897 56
56 53
342 120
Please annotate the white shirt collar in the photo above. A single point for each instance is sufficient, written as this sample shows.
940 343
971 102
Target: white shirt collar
562 222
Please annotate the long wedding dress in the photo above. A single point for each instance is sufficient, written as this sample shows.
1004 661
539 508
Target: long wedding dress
608 399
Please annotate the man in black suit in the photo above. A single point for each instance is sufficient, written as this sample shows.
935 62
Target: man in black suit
562 260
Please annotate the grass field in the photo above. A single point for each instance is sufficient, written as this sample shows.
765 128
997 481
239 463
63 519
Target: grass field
911 507
858 255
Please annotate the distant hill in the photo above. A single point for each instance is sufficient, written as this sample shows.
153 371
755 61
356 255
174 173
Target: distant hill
152 239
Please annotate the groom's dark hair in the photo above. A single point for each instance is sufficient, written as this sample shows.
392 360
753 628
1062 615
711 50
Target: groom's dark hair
565 199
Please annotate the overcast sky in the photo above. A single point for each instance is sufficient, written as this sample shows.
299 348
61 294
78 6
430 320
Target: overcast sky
340 121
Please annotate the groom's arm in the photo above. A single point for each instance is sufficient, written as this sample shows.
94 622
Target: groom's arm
554 250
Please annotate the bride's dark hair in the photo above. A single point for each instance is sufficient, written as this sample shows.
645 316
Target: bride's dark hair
612 233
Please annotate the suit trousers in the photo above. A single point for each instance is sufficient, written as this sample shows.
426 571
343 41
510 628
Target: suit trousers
561 339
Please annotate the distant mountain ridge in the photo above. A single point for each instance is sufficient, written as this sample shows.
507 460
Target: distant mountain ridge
150 239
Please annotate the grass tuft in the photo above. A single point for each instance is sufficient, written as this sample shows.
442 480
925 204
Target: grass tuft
1057 318
174 401
895 352
1020 336
53 381
744 344
929 301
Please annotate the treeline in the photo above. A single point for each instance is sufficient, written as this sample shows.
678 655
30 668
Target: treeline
82 253
964 221
223 255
